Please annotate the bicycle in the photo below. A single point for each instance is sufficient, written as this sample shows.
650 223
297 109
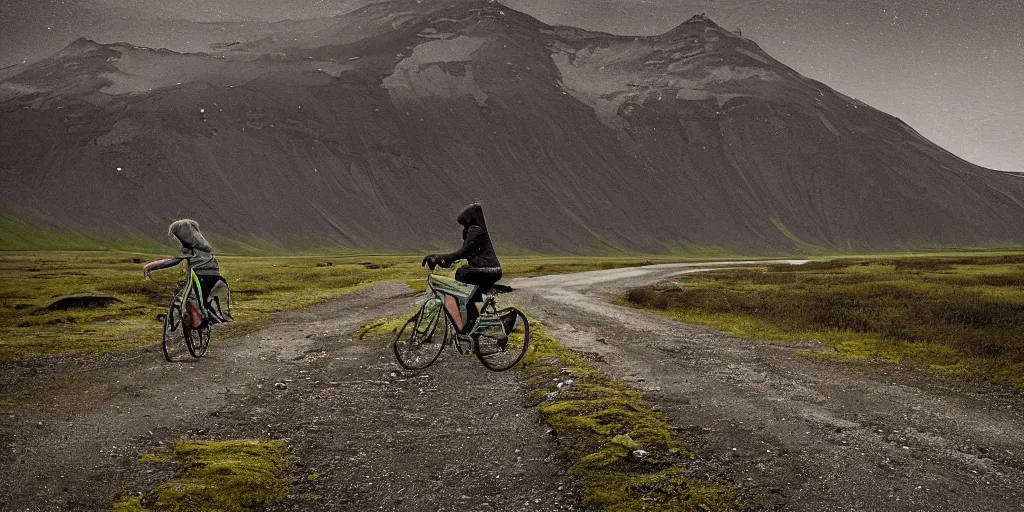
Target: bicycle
498 338
185 307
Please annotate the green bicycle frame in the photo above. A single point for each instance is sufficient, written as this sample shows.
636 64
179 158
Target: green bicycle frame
192 282
441 286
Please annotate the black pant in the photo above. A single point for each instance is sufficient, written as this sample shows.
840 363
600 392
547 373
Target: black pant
483 280
206 283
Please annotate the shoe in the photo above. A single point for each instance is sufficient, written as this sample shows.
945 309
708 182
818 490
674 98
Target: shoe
463 343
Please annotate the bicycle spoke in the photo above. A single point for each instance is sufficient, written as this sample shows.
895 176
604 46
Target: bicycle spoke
420 341
173 343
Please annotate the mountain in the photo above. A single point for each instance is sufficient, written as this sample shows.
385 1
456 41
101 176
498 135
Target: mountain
373 128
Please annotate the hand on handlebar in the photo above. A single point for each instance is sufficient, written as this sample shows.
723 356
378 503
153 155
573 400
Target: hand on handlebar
429 261
434 260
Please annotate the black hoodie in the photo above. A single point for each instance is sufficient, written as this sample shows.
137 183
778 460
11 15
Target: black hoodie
476 243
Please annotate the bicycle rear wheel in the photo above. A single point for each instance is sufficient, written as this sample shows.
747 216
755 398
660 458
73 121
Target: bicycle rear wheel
174 343
419 342
503 346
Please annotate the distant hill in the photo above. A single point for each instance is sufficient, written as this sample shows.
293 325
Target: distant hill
370 130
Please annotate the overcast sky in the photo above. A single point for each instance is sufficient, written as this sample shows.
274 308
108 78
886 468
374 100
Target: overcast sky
954 70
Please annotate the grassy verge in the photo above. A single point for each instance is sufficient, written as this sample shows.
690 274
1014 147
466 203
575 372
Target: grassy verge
626 454
960 315
228 476
261 286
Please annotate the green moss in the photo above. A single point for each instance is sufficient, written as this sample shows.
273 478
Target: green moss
600 423
227 476
129 504
383 326
667 490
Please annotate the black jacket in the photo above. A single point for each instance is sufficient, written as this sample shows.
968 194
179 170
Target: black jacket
476 243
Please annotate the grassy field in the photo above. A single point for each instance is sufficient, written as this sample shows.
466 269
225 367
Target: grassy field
261 286
954 314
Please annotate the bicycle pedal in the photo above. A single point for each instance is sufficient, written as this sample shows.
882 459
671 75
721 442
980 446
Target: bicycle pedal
464 344
489 350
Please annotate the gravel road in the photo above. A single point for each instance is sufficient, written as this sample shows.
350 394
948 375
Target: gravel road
793 433
796 433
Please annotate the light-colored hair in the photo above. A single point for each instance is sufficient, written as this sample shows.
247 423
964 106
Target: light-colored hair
187 232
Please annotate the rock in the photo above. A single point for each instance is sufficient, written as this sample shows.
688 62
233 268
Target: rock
83 301
280 385
639 454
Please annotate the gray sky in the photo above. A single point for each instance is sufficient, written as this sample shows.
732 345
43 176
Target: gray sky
954 70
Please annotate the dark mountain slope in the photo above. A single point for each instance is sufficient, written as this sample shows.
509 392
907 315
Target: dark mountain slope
372 129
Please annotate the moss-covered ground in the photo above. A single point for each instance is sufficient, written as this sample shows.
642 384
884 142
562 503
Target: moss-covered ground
260 286
626 453
384 326
954 314
223 476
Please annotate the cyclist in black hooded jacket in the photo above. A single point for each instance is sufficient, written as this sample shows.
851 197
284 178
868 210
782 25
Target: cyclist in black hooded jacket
482 266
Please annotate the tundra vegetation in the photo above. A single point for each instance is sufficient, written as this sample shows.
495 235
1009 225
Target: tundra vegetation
260 287
952 314
229 476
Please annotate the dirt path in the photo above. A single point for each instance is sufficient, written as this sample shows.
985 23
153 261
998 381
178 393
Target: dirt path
793 433
796 433
454 438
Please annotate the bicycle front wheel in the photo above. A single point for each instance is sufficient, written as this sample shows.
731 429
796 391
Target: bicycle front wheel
174 343
420 341
198 340
501 348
